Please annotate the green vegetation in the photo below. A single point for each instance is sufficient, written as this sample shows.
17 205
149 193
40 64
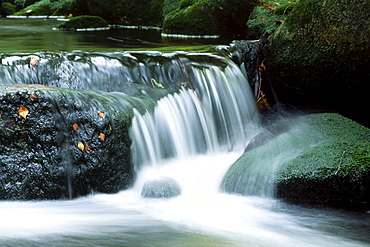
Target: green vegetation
268 16
334 172
83 21
44 7
321 46
7 9
205 17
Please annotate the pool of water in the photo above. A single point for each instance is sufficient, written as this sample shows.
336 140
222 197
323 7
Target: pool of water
31 35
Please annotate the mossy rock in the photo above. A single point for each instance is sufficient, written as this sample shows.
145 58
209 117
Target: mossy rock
83 21
54 144
125 12
45 8
321 159
320 54
203 17
336 171
267 17
7 9
193 20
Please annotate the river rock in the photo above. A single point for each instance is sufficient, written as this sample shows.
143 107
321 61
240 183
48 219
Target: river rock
321 159
163 187
321 54
61 143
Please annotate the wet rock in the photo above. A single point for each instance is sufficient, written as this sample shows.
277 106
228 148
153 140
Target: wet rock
56 150
321 159
161 188
320 55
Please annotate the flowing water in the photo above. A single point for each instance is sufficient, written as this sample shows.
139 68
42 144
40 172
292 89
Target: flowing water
192 136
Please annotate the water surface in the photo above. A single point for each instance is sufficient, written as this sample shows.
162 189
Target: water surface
32 35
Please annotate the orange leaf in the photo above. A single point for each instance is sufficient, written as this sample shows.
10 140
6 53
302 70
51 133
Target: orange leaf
23 112
75 126
263 66
81 146
101 136
263 18
101 114
87 148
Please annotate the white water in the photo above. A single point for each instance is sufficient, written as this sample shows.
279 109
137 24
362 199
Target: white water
194 141
201 216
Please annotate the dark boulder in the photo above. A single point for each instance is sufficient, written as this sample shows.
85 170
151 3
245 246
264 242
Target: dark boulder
61 143
321 54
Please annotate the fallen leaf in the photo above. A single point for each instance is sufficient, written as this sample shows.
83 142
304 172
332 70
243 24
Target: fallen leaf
81 146
33 96
263 18
101 114
101 136
75 127
156 83
263 66
23 112
87 148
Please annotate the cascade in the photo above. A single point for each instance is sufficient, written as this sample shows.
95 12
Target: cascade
219 115
193 115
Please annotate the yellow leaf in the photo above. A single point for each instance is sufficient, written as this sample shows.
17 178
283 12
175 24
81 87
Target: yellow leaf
81 146
23 112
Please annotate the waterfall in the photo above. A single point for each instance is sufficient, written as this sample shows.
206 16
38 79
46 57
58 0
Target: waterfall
217 114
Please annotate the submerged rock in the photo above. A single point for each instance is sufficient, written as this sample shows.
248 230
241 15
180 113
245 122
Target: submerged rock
61 143
321 159
161 188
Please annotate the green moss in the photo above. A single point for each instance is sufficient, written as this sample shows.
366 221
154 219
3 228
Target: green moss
206 17
266 17
186 3
335 171
194 20
46 7
83 21
7 9
320 46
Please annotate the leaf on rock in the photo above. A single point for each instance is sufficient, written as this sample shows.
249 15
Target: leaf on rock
101 114
156 83
23 112
75 126
33 96
87 148
81 146
101 136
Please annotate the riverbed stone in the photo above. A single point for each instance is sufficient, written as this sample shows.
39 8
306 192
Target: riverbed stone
61 143
163 187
